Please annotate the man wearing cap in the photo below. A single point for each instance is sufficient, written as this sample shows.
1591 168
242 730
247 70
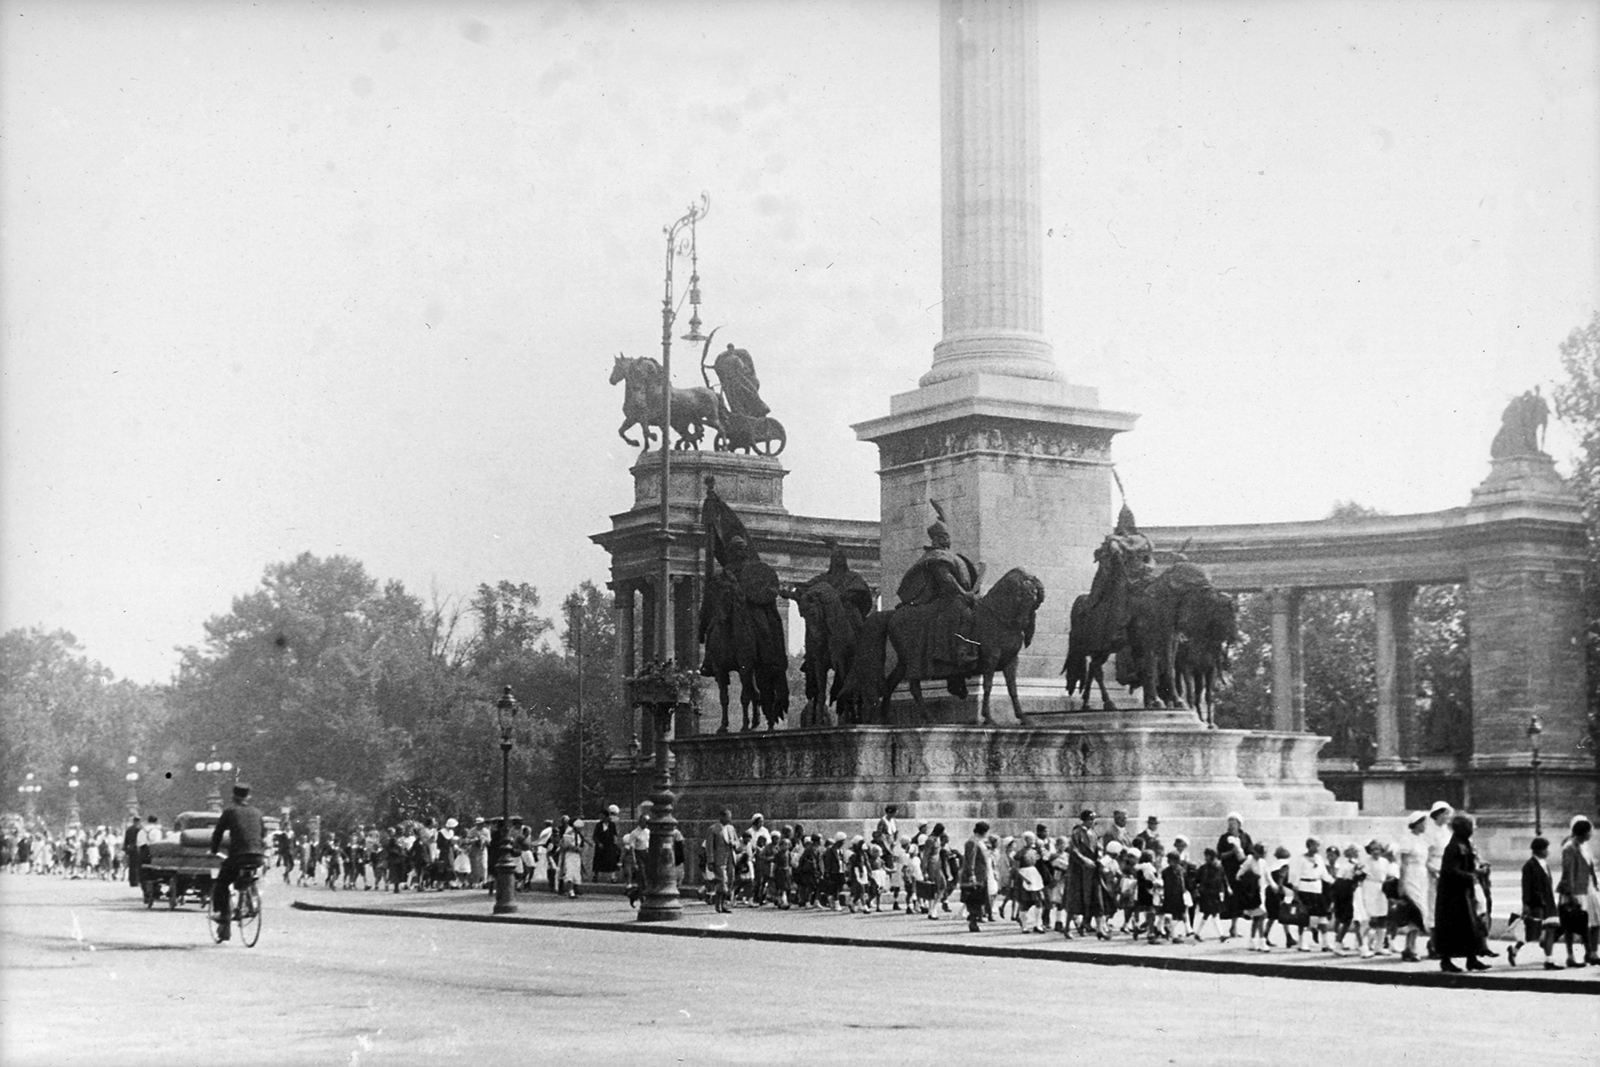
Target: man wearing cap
247 849
1149 839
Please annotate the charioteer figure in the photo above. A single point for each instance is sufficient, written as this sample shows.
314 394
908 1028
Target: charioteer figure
736 373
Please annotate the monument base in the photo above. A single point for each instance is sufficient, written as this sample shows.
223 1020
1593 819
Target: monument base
840 778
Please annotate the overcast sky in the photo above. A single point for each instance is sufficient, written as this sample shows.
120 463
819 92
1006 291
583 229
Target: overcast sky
349 278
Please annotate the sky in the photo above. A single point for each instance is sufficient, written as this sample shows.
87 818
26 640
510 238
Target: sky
346 278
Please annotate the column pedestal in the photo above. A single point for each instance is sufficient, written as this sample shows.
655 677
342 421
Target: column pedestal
1022 470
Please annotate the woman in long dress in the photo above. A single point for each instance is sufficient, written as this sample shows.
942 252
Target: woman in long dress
1455 926
572 841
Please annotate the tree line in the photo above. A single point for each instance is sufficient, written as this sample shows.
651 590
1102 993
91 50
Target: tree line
333 694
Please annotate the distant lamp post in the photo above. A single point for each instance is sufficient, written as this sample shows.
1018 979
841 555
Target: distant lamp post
505 863
73 820
133 786
30 792
216 768
1535 728
633 780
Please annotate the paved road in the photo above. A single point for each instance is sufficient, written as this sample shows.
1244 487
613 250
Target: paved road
90 977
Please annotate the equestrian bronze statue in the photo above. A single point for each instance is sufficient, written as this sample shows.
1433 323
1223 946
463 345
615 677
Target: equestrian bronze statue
1144 619
942 631
834 605
739 622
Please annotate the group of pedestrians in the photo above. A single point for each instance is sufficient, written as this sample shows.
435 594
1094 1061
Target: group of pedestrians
426 854
1427 894
77 852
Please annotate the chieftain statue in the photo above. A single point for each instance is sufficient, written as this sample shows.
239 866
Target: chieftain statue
1146 618
834 605
739 622
944 584
942 631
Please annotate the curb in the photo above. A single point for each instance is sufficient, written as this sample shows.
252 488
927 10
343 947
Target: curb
1300 972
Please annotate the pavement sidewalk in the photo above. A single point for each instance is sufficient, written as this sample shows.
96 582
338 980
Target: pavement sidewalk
604 908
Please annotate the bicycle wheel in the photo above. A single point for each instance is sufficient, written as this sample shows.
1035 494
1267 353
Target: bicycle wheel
247 913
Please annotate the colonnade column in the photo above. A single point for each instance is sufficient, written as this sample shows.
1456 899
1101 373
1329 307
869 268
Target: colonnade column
1288 681
1397 702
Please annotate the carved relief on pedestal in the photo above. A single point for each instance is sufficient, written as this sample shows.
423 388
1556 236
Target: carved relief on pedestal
1010 437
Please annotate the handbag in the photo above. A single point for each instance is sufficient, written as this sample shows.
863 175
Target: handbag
1574 916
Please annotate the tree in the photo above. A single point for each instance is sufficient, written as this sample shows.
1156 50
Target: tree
1578 405
62 709
289 680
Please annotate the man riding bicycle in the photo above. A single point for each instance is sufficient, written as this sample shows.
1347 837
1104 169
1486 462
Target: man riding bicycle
247 850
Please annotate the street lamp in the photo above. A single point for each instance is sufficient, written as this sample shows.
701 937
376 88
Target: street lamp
30 790
633 780
505 863
133 786
669 312
73 821
1535 728
216 768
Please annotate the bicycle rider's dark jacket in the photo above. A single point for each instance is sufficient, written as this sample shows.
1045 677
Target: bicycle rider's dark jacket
247 834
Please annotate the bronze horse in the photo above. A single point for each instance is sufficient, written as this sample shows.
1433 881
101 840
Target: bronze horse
1002 626
1208 623
733 646
1095 633
692 409
833 629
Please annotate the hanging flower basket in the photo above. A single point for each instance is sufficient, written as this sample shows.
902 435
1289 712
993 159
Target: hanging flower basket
663 683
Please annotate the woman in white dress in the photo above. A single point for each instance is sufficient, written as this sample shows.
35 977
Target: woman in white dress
572 841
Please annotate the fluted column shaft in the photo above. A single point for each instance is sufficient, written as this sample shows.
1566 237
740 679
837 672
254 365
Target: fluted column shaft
992 253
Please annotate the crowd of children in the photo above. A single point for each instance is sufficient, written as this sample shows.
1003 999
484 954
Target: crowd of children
1106 881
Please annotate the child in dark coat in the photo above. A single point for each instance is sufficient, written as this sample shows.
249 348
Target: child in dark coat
1211 883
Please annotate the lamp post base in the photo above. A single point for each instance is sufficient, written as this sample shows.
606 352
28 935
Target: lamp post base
661 901
505 873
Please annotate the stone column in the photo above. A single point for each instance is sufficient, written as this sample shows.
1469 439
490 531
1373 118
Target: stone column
648 620
1288 684
1019 458
1397 703
627 655
989 171
1383 788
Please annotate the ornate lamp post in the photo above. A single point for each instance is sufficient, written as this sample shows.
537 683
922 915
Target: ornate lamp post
73 820
132 778
695 213
1535 728
216 768
30 791
505 862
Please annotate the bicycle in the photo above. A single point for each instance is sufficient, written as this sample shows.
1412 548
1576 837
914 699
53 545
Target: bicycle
246 910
